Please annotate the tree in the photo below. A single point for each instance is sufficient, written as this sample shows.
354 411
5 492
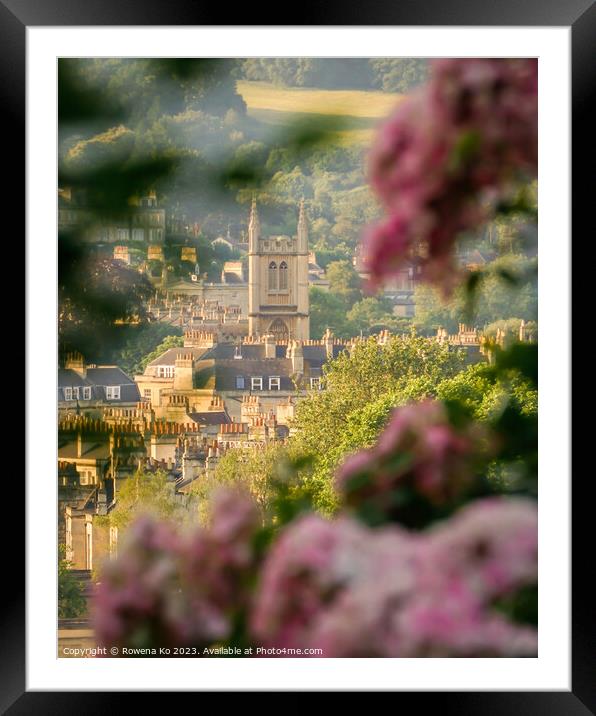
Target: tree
145 343
71 599
406 368
371 311
328 311
151 493
96 296
170 341
344 281
399 75
255 469
504 288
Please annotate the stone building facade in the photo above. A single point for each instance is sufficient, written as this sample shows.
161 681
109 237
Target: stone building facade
278 281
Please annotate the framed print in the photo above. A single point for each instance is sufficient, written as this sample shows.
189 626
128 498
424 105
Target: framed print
288 424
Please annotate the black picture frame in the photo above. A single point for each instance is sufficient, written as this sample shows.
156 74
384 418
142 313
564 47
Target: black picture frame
580 16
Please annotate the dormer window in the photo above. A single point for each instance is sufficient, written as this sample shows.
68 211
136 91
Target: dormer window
239 382
113 392
256 383
274 383
67 393
165 371
315 383
86 393
75 393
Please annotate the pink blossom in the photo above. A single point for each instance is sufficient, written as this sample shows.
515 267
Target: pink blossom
450 152
418 449
352 591
168 589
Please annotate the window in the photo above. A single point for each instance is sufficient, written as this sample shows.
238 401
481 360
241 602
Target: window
122 234
256 383
283 276
315 383
86 393
138 235
239 382
67 393
113 392
75 393
165 371
274 383
147 393
273 276
85 477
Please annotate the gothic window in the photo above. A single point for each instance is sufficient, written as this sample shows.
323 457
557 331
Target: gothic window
273 276
283 276
279 330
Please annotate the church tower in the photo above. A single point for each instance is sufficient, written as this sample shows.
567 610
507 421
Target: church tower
278 281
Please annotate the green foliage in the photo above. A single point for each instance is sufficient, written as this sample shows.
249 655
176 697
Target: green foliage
511 327
71 599
330 422
95 298
390 75
486 392
399 74
144 344
151 493
328 311
347 319
344 281
371 311
506 287
255 470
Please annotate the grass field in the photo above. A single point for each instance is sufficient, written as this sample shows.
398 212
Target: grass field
357 112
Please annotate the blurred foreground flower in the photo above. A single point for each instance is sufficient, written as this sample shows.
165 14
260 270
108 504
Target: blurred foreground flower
353 591
448 156
171 590
419 458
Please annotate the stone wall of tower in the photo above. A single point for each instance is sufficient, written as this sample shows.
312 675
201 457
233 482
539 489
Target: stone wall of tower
253 269
278 306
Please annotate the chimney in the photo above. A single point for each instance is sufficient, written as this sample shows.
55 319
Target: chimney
328 343
269 346
184 371
76 362
297 357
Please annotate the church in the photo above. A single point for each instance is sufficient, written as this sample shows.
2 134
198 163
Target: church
274 300
278 281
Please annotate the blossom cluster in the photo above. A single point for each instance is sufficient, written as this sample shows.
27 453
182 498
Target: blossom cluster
420 454
352 591
171 589
444 160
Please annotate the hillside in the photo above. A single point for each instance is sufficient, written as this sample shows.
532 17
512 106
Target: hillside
357 111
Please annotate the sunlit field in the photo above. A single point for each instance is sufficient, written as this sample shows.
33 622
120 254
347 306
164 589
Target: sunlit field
357 111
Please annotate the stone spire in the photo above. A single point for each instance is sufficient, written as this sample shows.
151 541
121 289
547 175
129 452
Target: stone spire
302 230
254 227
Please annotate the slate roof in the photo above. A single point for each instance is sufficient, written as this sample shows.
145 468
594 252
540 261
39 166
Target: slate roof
218 367
227 370
211 417
169 356
98 379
